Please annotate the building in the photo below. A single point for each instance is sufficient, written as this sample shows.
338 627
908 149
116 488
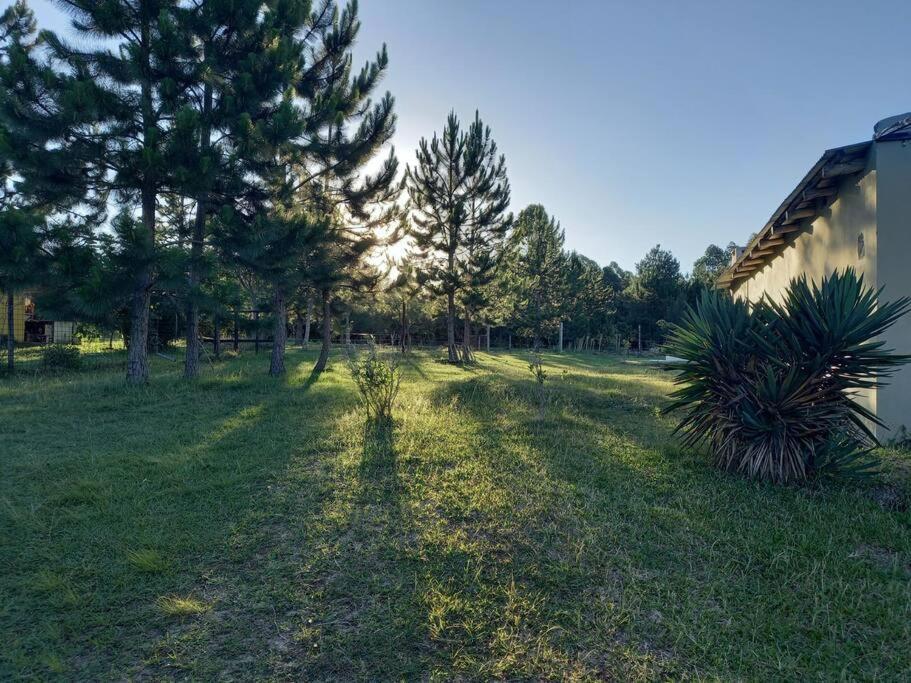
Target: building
853 208
29 327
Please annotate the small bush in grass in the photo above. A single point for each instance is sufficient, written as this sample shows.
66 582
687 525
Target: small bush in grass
536 368
61 357
377 381
772 388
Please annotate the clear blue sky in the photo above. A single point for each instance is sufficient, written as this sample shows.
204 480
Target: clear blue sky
636 123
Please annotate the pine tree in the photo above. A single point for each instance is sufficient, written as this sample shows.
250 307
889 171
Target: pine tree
316 210
486 225
237 60
342 265
656 294
458 191
26 201
534 275
709 266
107 102
438 189
587 308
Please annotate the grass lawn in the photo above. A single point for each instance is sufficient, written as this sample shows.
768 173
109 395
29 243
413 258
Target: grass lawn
244 527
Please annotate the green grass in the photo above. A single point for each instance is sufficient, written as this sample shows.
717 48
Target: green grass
243 527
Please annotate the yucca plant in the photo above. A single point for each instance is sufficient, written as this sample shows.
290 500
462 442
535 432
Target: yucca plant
771 388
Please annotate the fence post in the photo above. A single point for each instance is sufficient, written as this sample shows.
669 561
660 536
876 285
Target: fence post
256 323
560 342
488 338
236 334
640 339
216 336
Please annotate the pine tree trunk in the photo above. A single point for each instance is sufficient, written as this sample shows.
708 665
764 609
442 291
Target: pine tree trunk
298 328
279 334
450 329
138 353
10 331
307 322
327 332
467 355
191 364
404 325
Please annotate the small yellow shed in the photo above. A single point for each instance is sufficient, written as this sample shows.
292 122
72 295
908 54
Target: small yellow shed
19 303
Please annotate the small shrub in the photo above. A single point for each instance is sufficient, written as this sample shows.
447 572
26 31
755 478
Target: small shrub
61 357
536 368
377 381
771 388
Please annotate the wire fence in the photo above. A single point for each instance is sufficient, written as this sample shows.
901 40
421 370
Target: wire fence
111 354
87 354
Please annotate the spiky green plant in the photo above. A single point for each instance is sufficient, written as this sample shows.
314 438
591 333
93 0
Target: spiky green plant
771 388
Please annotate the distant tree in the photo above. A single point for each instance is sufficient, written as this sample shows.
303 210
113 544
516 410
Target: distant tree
656 294
533 278
405 288
615 278
709 266
588 306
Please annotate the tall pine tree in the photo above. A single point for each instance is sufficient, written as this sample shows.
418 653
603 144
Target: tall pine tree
237 59
458 191
486 225
112 110
316 209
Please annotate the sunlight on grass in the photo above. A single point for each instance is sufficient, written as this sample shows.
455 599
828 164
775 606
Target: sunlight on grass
248 528
174 606
147 560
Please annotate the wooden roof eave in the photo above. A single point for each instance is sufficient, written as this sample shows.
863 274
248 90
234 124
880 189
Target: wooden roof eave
816 189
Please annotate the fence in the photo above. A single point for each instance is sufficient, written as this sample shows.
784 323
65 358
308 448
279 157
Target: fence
94 354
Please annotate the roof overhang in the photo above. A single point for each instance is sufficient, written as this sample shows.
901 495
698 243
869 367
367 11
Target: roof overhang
808 200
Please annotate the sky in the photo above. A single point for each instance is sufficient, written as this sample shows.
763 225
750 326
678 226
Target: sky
642 122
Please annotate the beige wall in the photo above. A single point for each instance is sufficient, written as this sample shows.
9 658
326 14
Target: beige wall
876 204
830 243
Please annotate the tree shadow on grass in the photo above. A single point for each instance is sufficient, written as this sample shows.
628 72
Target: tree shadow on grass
184 473
630 540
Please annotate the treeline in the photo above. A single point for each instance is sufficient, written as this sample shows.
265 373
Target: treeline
183 170
538 284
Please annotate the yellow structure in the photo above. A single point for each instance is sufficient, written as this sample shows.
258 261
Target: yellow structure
19 304
852 209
